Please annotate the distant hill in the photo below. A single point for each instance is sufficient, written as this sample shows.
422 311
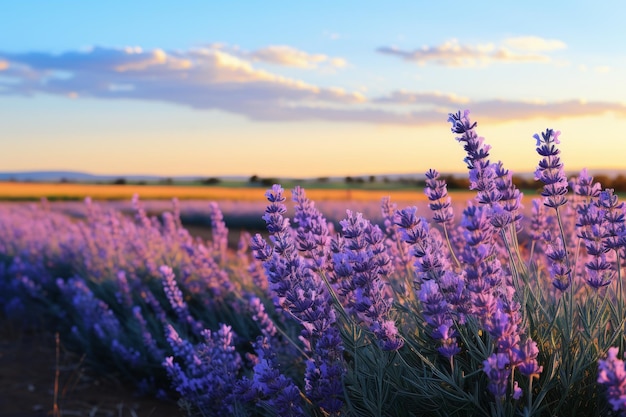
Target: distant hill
73 176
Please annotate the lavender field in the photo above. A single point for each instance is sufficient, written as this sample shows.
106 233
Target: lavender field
452 308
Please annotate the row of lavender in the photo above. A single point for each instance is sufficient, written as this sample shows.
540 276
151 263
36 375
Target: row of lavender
454 316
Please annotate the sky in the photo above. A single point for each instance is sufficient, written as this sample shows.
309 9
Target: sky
306 89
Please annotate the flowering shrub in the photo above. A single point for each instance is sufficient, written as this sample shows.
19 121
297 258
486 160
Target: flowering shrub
430 311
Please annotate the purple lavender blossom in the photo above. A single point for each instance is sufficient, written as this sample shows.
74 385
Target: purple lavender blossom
612 374
436 311
414 229
560 272
201 273
366 288
510 196
497 369
324 373
477 151
127 354
440 202
95 314
550 170
482 268
209 372
613 219
175 298
259 315
300 292
500 218
584 186
312 234
493 300
123 295
526 358
397 248
482 173
269 388
441 291
219 231
591 226
261 250
539 220
424 243
148 340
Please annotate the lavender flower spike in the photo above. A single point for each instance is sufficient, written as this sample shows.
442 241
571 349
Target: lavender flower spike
300 292
482 173
612 374
440 203
366 288
550 170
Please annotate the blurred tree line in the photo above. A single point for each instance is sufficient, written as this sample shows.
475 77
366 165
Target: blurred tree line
454 181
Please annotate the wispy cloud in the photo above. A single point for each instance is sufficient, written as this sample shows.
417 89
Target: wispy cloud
429 98
292 57
211 78
454 54
206 78
511 110
501 110
283 55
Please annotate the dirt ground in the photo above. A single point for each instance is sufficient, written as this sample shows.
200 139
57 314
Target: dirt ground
28 368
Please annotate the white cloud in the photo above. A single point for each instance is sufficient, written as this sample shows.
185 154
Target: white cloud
429 98
288 56
282 55
155 58
213 79
454 54
206 78
509 110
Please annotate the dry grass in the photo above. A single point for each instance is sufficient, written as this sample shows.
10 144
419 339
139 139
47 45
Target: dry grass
33 191
40 378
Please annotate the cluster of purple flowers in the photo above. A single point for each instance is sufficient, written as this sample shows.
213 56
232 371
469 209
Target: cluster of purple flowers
207 372
363 269
438 288
278 327
301 293
269 388
397 249
612 374
489 282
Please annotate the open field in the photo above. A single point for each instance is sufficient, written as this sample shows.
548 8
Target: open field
35 191
132 296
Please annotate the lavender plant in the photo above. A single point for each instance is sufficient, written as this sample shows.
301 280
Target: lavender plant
480 311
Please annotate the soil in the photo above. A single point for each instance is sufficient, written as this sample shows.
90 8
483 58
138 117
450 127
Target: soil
28 368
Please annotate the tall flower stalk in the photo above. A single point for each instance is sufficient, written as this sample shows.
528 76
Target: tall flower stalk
550 172
440 203
303 295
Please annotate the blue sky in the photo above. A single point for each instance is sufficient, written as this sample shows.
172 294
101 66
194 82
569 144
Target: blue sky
306 89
